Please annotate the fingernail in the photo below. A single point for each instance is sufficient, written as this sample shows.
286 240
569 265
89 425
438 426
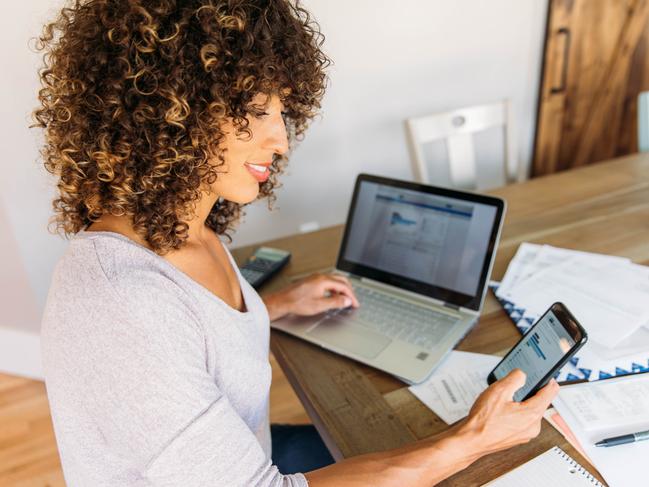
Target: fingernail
347 301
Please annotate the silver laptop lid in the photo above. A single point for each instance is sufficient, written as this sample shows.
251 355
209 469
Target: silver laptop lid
434 241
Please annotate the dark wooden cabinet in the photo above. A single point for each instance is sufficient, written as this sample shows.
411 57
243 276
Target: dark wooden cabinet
596 62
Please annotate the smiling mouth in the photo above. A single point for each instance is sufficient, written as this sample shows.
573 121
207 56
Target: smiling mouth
260 172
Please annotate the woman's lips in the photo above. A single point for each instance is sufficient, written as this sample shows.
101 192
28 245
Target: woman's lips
259 171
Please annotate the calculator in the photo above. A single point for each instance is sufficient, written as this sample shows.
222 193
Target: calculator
264 264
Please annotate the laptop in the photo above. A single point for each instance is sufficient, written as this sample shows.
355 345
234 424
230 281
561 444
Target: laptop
419 258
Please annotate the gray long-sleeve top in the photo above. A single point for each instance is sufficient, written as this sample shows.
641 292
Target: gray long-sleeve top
152 379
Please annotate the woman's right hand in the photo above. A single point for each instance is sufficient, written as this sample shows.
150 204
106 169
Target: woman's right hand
497 422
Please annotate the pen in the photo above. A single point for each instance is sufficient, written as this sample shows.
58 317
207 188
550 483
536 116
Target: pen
620 440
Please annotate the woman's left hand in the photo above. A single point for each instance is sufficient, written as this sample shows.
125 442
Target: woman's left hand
310 296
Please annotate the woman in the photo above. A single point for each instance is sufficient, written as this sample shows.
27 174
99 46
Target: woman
162 120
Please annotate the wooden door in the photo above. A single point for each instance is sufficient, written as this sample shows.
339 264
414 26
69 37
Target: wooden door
596 62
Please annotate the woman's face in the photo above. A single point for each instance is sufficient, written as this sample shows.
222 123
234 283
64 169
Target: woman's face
247 159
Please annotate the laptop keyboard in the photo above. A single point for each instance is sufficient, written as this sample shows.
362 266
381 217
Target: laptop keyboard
399 319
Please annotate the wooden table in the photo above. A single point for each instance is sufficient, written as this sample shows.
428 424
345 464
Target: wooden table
600 208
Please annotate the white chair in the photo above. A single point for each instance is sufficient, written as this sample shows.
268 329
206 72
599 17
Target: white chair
643 121
458 128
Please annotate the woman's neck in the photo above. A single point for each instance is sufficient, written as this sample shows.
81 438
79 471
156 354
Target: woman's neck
123 226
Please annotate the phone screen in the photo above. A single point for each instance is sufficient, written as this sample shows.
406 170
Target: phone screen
537 353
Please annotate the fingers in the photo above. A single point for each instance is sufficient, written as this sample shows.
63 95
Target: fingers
338 285
343 279
512 382
334 301
325 303
542 399
340 278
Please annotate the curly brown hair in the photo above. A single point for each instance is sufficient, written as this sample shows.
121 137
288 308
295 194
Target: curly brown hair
134 93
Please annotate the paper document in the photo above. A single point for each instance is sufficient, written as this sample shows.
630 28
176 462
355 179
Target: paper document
608 300
532 258
586 403
637 344
609 404
550 256
518 267
453 388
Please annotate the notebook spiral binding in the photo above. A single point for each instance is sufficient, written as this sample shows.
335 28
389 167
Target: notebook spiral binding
577 467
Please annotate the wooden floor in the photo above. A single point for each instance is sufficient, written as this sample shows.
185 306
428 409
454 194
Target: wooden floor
28 454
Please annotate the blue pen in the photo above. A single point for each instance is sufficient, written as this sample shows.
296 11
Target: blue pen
620 440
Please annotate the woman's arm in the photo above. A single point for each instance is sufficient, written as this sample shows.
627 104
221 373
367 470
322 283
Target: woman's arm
494 423
424 463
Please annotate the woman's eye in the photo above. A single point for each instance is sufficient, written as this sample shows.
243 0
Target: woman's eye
266 114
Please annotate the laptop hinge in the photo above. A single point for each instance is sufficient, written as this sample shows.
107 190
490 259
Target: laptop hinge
413 295
404 292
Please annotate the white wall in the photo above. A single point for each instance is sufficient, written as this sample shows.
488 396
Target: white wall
27 251
392 60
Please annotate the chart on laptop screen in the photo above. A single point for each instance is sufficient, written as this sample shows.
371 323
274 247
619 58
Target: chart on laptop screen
433 239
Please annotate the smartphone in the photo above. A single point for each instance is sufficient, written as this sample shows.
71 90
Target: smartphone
543 350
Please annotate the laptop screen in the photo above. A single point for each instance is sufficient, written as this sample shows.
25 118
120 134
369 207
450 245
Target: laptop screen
433 241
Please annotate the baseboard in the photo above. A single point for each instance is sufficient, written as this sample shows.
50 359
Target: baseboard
20 353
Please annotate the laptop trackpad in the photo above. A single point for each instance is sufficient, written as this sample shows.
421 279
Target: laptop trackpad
350 336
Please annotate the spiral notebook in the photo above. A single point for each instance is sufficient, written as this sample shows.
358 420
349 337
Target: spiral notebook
554 467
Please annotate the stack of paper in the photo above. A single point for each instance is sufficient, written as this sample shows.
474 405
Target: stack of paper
598 410
608 295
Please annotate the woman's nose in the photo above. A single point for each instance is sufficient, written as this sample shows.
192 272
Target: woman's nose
279 137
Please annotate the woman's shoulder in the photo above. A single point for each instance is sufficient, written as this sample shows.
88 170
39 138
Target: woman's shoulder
104 280
111 313
97 259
